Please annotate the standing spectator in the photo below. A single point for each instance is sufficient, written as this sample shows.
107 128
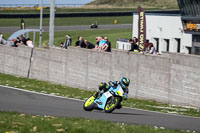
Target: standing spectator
68 41
97 41
77 42
107 46
80 42
97 44
101 43
89 45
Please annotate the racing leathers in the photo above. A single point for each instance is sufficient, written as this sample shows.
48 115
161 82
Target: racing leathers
103 87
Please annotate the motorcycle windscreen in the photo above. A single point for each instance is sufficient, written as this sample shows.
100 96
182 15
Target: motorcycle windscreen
120 91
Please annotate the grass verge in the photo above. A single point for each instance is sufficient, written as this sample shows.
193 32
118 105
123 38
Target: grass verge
21 123
60 90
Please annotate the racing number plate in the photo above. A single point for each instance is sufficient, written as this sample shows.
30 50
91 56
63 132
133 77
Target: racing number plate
108 94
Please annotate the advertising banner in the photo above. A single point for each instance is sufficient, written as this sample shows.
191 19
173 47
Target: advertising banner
141 28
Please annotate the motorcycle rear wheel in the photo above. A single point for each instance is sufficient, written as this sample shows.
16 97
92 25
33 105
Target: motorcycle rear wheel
88 104
112 104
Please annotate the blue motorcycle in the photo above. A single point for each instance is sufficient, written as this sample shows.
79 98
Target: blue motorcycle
107 101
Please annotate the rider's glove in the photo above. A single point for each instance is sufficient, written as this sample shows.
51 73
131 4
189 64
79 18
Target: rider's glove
101 86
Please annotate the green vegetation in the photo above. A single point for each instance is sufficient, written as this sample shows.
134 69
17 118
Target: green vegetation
159 4
67 21
101 5
88 8
60 90
21 123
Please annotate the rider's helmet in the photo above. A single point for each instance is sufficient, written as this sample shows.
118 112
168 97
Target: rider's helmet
124 83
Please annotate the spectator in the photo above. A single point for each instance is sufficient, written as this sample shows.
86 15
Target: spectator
140 47
107 46
4 42
101 43
1 35
17 42
68 41
77 42
152 49
29 43
97 41
146 46
97 44
23 40
135 40
134 46
89 45
61 44
80 42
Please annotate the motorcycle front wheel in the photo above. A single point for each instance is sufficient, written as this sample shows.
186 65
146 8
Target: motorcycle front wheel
112 104
88 104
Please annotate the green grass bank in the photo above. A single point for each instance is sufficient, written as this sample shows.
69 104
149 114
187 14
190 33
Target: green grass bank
11 122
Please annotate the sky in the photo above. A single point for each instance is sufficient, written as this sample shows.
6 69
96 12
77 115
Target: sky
44 1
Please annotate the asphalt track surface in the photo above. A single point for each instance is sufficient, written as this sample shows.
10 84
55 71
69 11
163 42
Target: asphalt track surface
67 28
13 99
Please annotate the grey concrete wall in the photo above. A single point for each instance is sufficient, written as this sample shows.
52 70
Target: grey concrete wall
14 60
185 80
170 78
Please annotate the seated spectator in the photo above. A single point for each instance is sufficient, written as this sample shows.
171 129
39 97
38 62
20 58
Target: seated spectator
4 42
17 42
29 43
146 47
61 44
1 35
152 49
68 41
107 45
89 45
134 46
23 40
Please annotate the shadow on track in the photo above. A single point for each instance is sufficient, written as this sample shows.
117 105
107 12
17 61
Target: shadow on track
118 113
130 114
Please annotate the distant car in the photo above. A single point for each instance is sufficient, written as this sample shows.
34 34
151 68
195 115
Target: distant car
94 26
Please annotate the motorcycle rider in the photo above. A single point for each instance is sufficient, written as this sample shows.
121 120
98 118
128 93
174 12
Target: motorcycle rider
124 83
